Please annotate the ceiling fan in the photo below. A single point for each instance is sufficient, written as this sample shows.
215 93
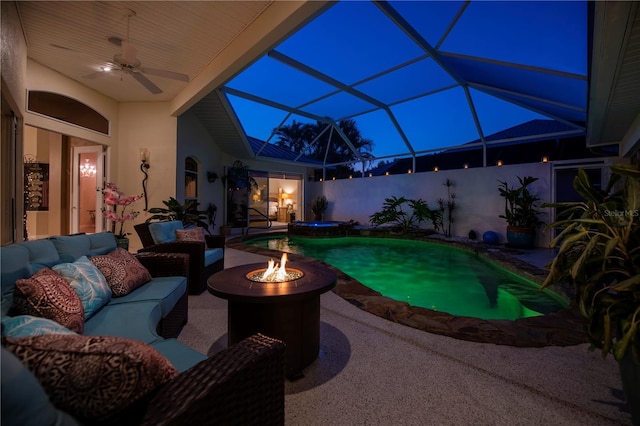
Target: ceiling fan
127 62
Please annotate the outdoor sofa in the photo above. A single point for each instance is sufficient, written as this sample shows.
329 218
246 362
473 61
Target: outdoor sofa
120 363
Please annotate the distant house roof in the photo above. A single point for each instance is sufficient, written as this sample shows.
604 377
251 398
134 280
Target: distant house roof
525 143
264 149
533 130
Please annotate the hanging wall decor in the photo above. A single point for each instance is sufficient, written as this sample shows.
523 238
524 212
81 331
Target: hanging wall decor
36 186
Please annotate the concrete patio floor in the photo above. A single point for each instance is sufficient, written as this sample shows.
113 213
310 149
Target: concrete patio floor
371 371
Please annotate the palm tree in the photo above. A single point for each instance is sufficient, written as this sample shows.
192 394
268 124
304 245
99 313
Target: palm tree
314 141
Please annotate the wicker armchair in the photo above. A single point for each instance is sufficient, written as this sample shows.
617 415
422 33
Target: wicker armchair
241 385
198 272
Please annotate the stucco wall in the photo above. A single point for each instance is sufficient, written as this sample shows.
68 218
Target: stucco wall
477 197
195 141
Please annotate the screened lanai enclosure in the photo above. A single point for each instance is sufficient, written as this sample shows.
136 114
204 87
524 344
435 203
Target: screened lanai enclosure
369 81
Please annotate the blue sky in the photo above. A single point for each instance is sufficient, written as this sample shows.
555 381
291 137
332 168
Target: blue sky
532 53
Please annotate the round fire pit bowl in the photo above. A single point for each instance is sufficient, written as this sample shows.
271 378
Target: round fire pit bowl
287 310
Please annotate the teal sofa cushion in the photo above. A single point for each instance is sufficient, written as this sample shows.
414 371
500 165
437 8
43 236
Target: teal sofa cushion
21 260
181 356
101 243
27 404
14 265
164 232
131 320
164 290
71 247
212 255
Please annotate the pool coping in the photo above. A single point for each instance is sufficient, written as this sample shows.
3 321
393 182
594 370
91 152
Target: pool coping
561 328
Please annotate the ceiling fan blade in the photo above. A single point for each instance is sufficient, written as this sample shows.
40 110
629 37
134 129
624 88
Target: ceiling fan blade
147 83
166 74
117 41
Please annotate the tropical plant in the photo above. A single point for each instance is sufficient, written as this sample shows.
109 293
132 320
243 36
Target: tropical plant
321 142
188 213
599 254
319 206
393 213
520 205
237 181
447 208
114 198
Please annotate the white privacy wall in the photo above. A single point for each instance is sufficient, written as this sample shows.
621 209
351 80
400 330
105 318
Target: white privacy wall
477 197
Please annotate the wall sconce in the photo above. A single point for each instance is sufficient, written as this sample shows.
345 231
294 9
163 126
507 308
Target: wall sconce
144 166
499 163
435 169
545 159
87 169
465 165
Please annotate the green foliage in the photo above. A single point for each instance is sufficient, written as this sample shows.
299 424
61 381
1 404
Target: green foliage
187 213
446 209
599 255
520 207
393 213
319 205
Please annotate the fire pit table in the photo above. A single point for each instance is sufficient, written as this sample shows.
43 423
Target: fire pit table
288 310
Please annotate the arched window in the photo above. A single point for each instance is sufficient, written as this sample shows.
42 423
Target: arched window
67 109
190 179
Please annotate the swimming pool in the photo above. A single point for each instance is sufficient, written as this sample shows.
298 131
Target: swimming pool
428 275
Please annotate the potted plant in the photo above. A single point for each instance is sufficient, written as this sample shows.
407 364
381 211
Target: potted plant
188 213
599 254
520 212
238 182
319 206
114 198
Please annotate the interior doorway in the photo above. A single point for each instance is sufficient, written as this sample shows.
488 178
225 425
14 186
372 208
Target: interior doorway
63 177
86 186
278 196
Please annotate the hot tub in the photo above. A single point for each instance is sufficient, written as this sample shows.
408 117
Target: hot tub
318 228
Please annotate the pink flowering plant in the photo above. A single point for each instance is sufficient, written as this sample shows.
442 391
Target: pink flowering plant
116 208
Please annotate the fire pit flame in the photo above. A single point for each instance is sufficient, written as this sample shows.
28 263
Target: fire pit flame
275 272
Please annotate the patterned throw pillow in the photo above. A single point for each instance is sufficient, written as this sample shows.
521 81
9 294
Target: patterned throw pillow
48 295
88 282
193 234
124 273
27 325
92 377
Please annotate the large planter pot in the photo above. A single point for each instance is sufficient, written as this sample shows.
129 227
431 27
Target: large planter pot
520 237
630 374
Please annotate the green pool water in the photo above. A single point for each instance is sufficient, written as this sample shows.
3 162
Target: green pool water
426 274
